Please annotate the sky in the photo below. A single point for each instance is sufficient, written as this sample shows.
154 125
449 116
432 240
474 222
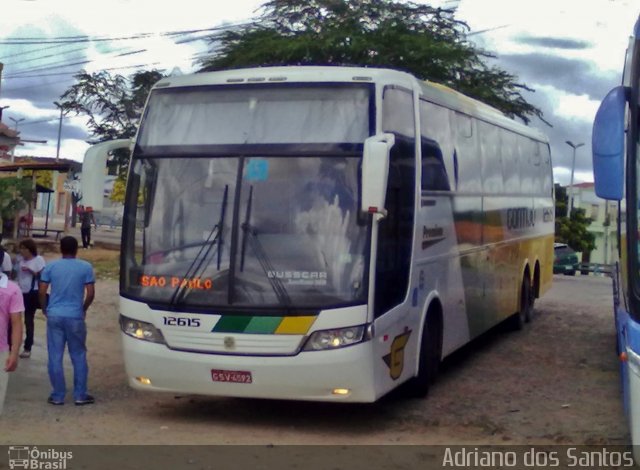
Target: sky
571 52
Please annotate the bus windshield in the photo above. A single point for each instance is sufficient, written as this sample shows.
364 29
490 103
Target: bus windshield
243 231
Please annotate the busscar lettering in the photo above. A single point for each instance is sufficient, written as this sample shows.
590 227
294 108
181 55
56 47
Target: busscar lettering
312 278
176 282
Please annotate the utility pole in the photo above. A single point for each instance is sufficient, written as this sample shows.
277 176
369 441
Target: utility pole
59 130
67 204
573 167
16 121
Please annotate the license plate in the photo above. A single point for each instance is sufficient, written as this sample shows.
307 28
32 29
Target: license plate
234 376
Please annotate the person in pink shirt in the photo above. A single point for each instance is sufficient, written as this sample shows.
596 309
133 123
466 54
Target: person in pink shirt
11 308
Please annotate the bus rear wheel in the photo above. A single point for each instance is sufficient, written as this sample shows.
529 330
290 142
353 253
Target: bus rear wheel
430 354
525 313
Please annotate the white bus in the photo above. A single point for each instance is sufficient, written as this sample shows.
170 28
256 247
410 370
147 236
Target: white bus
322 233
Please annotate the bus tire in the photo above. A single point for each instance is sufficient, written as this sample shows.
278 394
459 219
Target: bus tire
430 353
524 315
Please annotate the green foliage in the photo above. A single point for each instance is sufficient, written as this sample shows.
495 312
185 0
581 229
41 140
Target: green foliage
119 188
14 195
425 41
562 201
43 178
113 105
573 231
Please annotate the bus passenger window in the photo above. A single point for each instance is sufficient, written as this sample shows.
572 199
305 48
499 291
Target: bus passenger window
434 174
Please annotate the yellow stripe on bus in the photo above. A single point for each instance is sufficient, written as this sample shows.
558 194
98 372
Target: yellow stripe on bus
295 325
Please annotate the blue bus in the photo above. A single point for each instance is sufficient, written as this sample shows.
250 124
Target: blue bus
616 169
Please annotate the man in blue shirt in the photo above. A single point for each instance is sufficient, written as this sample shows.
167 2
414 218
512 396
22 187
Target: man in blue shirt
72 291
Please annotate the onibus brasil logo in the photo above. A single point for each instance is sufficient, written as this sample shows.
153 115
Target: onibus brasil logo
32 458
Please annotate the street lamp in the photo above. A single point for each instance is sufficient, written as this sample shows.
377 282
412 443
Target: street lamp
16 122
573 167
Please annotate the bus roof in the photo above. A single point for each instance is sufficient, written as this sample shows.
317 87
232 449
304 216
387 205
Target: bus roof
431 91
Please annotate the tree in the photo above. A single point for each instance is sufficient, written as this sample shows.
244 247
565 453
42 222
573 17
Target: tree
425 41
572 230
562 201
15 194
113 105
43 178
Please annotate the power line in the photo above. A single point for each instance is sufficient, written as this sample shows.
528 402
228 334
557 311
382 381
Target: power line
44 57
48 67
80 39
41 121
58 65
69 41
33 51
40 85
75 72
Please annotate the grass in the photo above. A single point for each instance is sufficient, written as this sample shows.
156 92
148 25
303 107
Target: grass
106 263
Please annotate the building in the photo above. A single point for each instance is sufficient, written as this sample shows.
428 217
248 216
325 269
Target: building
604 215
8 140
53 203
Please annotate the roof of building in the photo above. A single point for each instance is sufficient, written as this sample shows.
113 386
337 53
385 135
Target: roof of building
8 139
40 163
8 132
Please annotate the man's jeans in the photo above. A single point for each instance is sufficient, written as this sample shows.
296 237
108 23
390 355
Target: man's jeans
71 331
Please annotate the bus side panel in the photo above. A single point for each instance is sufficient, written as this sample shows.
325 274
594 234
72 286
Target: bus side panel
468 223
630 334
504 258
545 233
518 233
438 273
438 268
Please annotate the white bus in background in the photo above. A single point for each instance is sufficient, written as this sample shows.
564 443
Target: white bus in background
322 233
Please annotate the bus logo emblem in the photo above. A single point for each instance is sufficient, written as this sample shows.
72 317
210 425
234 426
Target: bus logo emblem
395 359
229 342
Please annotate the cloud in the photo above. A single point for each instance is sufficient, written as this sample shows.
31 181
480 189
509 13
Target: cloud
572 75
553 43
578 107
566 126
69 148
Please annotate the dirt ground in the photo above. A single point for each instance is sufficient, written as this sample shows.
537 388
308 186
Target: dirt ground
556 382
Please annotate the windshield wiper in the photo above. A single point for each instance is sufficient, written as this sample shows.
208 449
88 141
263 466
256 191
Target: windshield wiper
265 263
244 232
213 238
251 233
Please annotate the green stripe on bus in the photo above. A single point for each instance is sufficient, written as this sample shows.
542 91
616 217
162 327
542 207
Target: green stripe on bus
232 324
263 325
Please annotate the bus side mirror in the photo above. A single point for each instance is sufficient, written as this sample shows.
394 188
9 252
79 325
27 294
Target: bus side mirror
608 145
375 172
93 171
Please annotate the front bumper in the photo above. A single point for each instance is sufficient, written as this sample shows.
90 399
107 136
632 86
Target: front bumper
310 375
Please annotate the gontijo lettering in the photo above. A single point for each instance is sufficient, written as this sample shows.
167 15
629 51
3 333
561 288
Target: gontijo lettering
176 282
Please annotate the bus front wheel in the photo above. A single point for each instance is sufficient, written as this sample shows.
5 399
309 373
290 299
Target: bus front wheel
430 355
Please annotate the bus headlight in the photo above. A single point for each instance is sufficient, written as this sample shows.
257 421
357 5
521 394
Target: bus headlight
141 330
334 339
